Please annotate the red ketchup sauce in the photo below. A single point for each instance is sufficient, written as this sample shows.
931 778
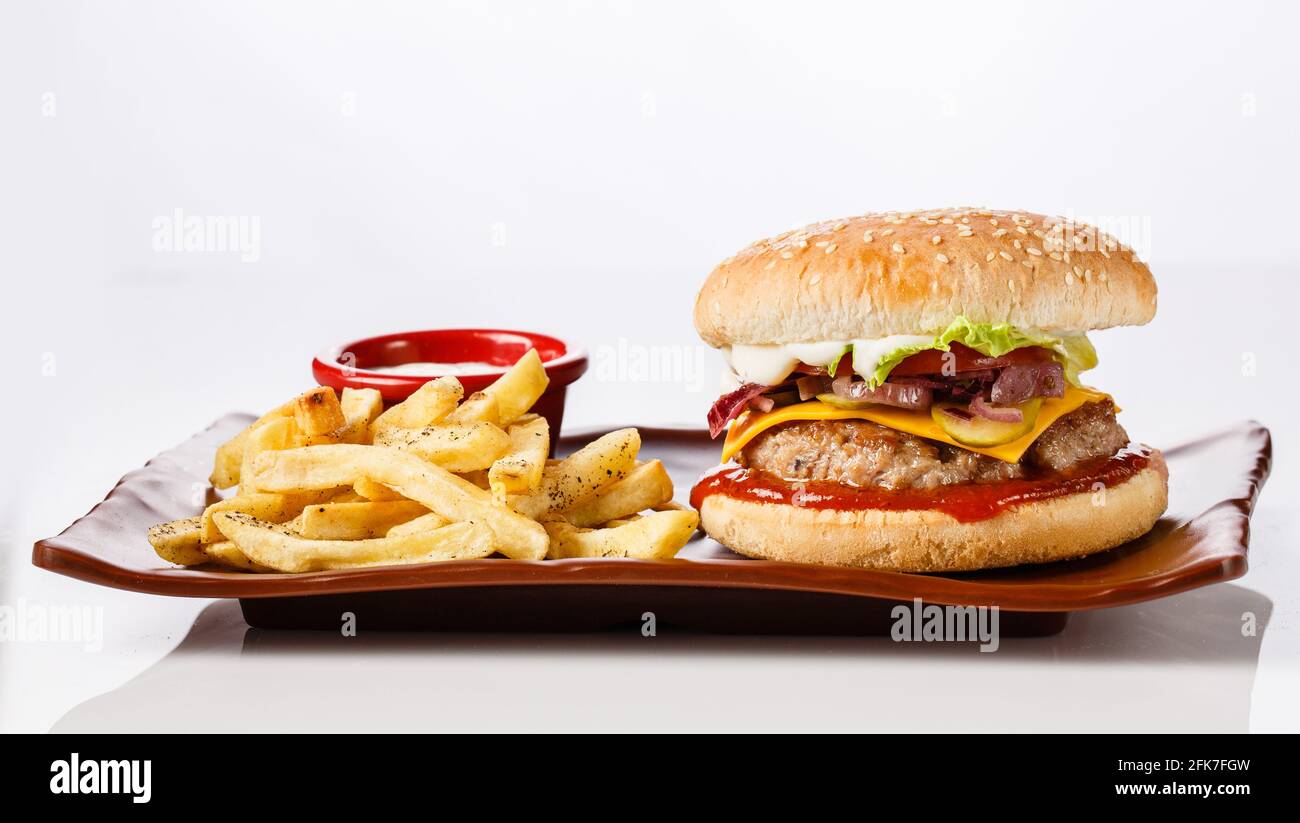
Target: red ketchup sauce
966 503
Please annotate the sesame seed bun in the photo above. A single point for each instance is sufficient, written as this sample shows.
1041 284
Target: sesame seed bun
911 273
931 541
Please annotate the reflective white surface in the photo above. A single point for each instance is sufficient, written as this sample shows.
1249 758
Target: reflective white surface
1163 666
578 172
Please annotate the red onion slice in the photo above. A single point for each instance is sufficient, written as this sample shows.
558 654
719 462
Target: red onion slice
1016 384
811 386
995 413
917 398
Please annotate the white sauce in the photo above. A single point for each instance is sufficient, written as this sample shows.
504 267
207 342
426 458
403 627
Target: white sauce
430 369
770 364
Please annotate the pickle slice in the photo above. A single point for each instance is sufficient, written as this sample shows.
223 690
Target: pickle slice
972 430
832 399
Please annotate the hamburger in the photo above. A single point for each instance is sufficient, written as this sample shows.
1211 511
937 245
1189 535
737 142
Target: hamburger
905 393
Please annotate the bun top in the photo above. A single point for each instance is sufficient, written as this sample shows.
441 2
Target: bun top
913 272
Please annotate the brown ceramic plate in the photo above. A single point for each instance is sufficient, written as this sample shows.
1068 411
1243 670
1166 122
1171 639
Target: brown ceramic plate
1203 539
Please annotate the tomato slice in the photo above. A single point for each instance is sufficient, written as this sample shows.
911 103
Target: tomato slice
932 361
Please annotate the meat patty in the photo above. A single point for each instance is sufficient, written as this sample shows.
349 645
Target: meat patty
1088 432
862 453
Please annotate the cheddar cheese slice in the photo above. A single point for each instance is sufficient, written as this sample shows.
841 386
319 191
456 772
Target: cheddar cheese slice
750 424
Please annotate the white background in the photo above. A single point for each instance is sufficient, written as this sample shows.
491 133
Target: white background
579 168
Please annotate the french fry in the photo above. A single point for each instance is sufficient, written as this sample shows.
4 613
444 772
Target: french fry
519 388
280 433
368 489
179 541
360 409
519 471
265 545
228 555
427 405
325 467
655 536
478 478
355 521
423 523
362 404
582 474
645 487
479 407
271 507
455 447
230 455
318 411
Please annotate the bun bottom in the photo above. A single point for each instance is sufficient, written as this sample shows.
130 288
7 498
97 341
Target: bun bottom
931 541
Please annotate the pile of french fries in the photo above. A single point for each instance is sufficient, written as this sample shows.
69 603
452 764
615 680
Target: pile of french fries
327 482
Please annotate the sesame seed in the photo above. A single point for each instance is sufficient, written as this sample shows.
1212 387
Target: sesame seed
1037 252
947 221
936 240
821 244
1011 284
898 248
832 247
814 280
988 258
999 232
942 258
1022 230
1005 255
1055 255
993 221
787 255
866 237
965 233
1078 270
1069 278
1026 264
886 232
1016 243
801 243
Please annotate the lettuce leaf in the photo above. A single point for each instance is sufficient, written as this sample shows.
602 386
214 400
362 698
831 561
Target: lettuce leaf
1074 352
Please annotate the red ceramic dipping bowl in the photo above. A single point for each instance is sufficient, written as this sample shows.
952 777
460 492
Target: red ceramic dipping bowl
350 365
